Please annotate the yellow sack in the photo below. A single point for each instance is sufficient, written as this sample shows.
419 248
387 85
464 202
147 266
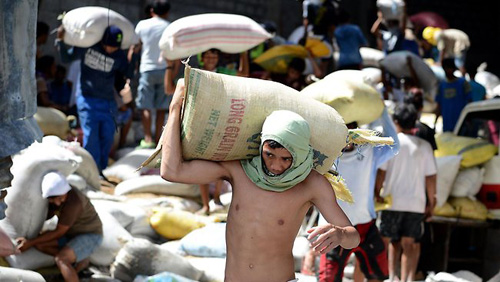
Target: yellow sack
474 151
3 262
385 205
52 122
174 224
354 101
446 210
467 208
317 47
277 58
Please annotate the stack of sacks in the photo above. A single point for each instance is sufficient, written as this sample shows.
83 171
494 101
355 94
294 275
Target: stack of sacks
229 33
467 183
27 209
157 185
391 9
348 92
474 151
126 167
141 257
396 63
85 26
52 122
447 167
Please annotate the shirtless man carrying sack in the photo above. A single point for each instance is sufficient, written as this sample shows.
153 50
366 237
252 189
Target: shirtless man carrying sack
271 195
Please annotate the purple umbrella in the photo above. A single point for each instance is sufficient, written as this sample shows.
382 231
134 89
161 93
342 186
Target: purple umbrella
424 19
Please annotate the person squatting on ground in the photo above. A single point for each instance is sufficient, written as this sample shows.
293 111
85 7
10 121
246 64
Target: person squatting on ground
271 195
151 94
410 178
358 167
79 228
95 95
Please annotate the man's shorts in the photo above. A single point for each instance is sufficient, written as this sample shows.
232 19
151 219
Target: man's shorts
151 92
371 255
83 245
396 224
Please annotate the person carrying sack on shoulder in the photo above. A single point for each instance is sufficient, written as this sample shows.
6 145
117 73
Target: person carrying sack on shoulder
271 195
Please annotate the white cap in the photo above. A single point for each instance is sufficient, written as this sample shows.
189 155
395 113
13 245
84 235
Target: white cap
54 184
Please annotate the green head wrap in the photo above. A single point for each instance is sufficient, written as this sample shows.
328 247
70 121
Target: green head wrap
293 133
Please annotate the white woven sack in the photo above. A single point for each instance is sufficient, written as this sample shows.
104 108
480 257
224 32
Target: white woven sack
85 26
157 185
208 241
77 181
371 56
140 256
447 167
174 202
14 274
396 63
195 34
52 122
125 168
131 217
372 75
468 182
391 9
488 80
114 238
31 259
492 171
88 168
27 208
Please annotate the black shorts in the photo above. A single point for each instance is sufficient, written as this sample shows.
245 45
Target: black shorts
370 253
396 224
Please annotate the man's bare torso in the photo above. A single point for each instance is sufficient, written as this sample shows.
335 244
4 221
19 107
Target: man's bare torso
261 229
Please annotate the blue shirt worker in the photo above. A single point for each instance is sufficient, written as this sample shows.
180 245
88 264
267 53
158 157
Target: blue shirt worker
95 97
350 39
453 95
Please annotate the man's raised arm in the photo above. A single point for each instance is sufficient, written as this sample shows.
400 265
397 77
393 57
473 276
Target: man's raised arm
173 167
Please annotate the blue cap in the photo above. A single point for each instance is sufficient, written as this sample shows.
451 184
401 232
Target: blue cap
113 36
